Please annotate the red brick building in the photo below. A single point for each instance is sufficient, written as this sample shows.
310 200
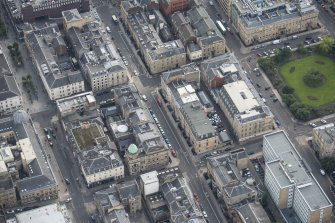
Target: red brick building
168 7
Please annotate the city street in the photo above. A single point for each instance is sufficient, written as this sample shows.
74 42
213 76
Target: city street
43 113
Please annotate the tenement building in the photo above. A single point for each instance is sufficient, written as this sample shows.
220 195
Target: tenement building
290 183
10 95
267 20
324 140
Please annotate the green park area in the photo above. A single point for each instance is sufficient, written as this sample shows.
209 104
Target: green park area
294 74
305 78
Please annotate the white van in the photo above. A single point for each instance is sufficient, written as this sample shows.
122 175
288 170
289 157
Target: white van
108 29
294 37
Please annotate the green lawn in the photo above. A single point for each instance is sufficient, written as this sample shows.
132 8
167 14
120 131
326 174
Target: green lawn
311 96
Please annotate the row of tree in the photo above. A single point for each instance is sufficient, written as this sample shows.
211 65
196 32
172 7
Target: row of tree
15 54
28 86
270 66
3 29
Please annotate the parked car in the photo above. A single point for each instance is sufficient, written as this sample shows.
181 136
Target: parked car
173 152
67 181
312 124
196 197
323 121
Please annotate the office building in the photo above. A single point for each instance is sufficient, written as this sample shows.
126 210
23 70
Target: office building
181 86
247 114
159 56
289 182
145 148
98 57
97 155
324 140
48 50
258 22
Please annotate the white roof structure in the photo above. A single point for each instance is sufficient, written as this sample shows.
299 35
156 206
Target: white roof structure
187 94
241 96
51 214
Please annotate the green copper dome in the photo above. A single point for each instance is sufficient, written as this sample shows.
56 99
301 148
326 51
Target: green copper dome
132 148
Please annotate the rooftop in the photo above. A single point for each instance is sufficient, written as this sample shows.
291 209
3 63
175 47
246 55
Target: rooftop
57 70
181 202
109 202
241 96
71 15
288 167
75 102
8 84
253 213
50 213
184 93
263 12
326 132
100 158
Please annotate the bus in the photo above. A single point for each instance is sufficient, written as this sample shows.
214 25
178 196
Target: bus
115 20
221 27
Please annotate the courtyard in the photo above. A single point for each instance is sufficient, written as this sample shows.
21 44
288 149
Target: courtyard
85 135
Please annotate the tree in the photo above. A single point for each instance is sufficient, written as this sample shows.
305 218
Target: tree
264 200
287 90
328 164
289 99
326 44
267 65
282 55
301 49
303 113
314 78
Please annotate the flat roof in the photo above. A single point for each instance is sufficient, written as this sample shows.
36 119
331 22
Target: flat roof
241 96
50 213
292 166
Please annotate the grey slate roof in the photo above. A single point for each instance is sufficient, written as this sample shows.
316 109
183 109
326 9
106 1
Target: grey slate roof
57 76
33 183
8 85
71 15
180 202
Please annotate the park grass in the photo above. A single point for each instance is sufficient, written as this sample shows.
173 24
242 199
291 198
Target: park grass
85 137
311 96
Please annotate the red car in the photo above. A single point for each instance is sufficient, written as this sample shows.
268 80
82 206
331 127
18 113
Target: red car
196 197
173 152
159 102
